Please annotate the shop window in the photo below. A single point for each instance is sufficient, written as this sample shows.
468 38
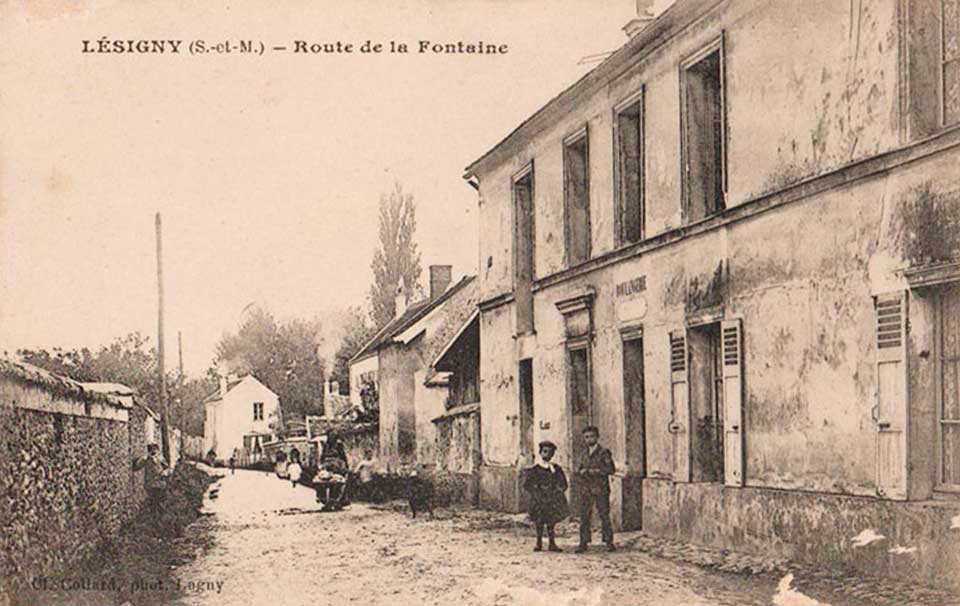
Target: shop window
629 141
524 245
706 376
576 171
703 135
949 388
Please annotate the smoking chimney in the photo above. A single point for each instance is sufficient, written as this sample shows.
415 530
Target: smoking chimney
333 388
440 278
645 14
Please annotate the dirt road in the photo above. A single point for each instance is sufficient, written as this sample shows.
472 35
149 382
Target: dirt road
271 545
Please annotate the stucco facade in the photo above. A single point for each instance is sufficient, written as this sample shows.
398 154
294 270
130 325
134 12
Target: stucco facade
410 394
807 310
233 414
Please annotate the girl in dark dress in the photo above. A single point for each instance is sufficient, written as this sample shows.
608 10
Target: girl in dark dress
546 484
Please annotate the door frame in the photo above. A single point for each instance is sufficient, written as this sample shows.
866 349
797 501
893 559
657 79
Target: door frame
629 335
577 344
528 458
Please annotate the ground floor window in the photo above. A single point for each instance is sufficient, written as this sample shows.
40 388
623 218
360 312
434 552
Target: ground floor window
949 386
705 380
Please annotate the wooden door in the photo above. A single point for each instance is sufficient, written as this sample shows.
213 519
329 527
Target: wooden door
525 383
633 402
579 410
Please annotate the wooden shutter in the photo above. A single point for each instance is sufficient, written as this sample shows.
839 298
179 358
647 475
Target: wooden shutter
890 412
680 406
732 354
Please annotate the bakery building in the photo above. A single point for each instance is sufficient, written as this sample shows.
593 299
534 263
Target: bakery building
734 246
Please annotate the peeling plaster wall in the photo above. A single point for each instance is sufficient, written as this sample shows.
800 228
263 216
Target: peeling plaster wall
802 277
397 420
430 402
810 87
498 388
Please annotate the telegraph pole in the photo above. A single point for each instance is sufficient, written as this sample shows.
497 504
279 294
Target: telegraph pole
180 351
165 414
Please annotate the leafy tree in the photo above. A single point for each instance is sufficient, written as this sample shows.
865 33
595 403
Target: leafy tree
397 256
131 361
357 332
281 355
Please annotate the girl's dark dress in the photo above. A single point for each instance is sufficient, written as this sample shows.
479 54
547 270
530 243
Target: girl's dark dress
548 504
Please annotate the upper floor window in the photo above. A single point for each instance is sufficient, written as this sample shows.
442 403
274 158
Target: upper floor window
524 234
950 61
628 135
258 411
703 126
576 196
932 77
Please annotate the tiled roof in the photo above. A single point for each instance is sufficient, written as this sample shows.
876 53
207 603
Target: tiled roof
414 314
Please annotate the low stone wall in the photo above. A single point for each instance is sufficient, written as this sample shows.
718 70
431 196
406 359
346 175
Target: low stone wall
65 478
921 540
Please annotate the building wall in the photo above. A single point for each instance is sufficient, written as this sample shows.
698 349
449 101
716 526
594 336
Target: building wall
358 369
235 415
66 478
827 206
397 412
824 78
808 326
430 402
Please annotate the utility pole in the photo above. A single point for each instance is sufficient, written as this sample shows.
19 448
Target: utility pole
180 352
165 414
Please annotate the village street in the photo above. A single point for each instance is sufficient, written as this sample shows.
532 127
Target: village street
270 544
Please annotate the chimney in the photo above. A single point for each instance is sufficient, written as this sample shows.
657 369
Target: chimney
440 278
333 388
223 385
400 301
645 15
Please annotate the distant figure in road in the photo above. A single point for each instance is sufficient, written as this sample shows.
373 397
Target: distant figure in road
334 449
594 474
294 469
233 461
364 475
546 484
155 474
334 459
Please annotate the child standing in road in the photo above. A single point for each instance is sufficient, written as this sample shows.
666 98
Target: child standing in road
294 470
546 484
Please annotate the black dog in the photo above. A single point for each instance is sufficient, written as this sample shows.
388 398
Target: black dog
419 494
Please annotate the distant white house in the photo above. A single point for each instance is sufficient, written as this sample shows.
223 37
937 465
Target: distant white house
238 416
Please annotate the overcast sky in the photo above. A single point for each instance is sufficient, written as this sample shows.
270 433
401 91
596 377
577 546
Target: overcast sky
267 169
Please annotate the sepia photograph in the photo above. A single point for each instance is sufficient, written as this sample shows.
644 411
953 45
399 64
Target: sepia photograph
480 302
